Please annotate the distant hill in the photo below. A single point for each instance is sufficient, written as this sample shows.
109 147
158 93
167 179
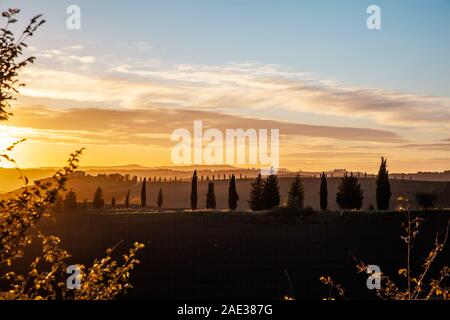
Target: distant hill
176 194
10 177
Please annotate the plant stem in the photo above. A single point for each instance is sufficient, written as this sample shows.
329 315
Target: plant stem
409 253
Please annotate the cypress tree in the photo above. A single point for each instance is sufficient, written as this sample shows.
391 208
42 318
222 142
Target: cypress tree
271 193
323 192
194 191
256 194
296 195
70 201
113 202
127 200
58 206
144 193
350 195
98 202
210 197
384 193
160 199
233 197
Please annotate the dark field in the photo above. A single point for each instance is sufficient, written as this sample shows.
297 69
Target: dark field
215 256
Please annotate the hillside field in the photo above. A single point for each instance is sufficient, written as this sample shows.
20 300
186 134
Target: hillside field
177 194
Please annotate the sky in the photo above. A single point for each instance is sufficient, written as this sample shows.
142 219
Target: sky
341 95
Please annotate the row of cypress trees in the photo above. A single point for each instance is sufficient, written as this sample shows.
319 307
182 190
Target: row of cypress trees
99 202
265 193
233 196
159 201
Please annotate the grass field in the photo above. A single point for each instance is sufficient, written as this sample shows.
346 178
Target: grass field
220 256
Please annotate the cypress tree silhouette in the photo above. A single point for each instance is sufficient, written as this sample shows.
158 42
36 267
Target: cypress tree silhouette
296 195
256 194
98 202
233 197
144 193
194 191
113 202
384 193
160 199
271 193
323 192
210 197
70 201
127 200
350 195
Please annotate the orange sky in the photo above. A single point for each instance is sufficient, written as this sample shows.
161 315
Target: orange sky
124 110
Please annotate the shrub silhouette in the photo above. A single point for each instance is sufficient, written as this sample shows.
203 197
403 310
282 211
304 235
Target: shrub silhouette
426 200
350 195
256 194
10 63
271 193
419 285
296 194
98 203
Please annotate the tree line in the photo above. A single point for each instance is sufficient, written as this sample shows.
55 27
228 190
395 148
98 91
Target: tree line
265 194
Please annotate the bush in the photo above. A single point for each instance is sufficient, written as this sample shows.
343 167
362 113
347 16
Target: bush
426 200
98 202
256 194
20 215
350 195
271 192
296 194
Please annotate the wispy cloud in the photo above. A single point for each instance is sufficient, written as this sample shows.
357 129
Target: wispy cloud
66 56
238 87
155 125
80 59
429 146
76 47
